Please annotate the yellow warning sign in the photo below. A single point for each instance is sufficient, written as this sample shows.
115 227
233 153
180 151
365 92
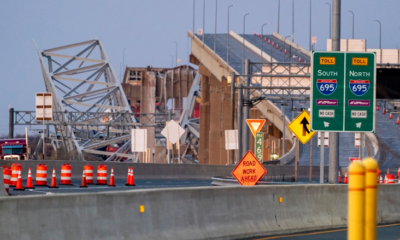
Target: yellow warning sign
300 126
255 125
327 60
359 61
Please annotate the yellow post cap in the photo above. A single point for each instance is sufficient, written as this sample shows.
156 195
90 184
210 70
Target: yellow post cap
370 164
356 168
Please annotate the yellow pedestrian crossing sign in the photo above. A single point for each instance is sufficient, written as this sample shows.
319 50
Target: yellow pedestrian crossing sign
300 126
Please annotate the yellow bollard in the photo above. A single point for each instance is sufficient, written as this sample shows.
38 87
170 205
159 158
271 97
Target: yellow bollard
355 208
371 198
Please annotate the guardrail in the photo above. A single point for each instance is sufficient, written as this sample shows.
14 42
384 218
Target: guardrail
191 213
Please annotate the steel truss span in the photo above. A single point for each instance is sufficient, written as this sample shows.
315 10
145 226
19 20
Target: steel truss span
81 79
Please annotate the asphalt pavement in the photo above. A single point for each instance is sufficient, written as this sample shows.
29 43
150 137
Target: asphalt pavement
384 232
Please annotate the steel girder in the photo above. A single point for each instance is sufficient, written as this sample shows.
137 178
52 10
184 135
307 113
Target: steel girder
81 79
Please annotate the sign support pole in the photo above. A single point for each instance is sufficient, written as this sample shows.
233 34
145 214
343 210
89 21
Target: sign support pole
283 128
296 159
44 116
240 125
233 81
169 156
334 136
246 131
321 164
362 145
311 143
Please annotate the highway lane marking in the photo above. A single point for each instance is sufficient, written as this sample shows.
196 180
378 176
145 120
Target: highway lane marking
301 234
322 232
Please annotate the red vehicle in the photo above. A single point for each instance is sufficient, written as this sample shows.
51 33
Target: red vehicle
14 148
112 147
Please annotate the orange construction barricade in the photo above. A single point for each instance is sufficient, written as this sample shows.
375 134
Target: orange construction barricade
41 175
15 168
65 178
101 174
88 173
7 177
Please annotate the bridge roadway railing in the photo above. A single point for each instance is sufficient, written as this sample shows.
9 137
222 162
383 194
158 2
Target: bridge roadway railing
185 213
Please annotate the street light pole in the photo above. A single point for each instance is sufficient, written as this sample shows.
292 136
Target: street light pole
215 33
330 20
123 62
352 24
176 53
227 39
279 10
244 32
310 27
380 33
172 61
334 136
262 40
194 12
292 20
204 18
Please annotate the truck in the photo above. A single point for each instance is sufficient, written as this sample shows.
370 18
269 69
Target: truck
13 149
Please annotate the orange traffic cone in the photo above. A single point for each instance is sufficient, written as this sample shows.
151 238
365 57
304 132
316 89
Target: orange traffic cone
383 112
377 108
380 179
112 182
398 173
340 179
53 179
345 178
386 180
83 181
18 186
390 116
131 181
29 183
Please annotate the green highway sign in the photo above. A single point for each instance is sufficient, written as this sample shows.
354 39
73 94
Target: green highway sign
343 91
259 146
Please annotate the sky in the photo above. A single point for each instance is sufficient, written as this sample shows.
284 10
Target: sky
148 30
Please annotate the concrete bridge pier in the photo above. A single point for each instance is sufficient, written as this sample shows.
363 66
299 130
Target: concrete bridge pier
148 105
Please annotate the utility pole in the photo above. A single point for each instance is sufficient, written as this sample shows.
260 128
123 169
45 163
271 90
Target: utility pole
334 136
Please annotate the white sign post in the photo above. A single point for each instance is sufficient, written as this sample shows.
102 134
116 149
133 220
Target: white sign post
231 141
173 132
44 111
326 140
139 141
357 139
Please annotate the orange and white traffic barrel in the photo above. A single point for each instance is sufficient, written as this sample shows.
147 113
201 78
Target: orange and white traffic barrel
390 178
41 175
88 173
66 174
7 177
15 168
101 174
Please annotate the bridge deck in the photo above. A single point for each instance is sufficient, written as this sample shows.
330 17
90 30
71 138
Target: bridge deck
346 147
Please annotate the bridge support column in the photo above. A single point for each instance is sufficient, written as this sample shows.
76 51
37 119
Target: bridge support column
148 105
204 117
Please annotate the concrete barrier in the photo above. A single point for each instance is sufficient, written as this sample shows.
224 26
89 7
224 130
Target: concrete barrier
156 171
192 213
3 191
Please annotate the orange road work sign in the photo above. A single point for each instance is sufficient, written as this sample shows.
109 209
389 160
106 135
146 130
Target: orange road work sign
255 125
249 170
